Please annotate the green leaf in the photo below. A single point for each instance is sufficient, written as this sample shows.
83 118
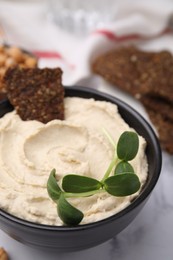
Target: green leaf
53 188
77 183
128 145
70 215
122 184
123 167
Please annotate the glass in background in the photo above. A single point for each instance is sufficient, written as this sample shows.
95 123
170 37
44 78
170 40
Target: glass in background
80 17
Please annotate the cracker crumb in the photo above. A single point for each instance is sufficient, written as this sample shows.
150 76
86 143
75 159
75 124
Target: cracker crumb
3 254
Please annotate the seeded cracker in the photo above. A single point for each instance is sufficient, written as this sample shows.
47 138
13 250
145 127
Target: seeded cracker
164 127
137 72
36 94
147 76
158 104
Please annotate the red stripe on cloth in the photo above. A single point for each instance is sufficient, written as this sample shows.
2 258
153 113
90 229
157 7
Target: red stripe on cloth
52 55
112 36
48 54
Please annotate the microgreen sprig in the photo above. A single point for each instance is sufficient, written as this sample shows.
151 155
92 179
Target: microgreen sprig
122 182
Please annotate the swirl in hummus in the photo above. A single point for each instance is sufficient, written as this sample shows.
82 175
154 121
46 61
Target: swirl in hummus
30 149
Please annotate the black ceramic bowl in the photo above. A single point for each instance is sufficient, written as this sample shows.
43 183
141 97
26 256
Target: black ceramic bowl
66 238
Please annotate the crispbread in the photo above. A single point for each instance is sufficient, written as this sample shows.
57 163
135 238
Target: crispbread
137 72
164 127
148 76
158 105
36 94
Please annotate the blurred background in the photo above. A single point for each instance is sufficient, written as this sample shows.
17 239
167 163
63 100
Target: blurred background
72 35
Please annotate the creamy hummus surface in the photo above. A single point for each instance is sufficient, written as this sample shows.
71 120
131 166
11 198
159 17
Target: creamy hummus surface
29 150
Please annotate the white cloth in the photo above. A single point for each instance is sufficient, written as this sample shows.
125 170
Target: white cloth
140 22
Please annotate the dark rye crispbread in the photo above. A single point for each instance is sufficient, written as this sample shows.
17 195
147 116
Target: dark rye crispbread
148 76
136 71
159 105
36 94
160 111
164 127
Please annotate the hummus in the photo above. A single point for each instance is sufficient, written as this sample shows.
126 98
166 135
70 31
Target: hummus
29 150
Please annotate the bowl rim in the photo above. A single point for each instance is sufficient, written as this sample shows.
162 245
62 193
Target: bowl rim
137 201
